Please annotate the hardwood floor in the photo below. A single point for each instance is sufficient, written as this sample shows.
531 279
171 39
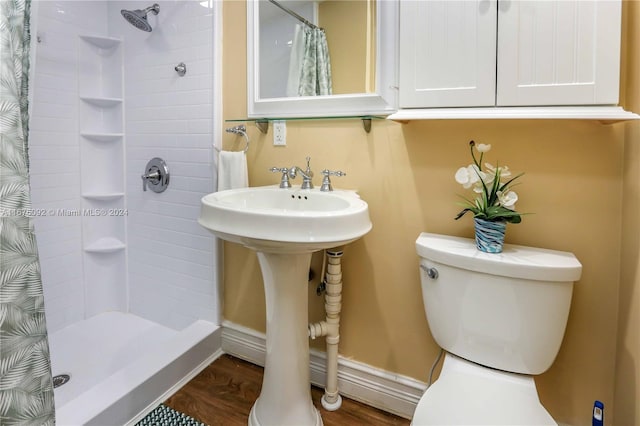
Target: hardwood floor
224 392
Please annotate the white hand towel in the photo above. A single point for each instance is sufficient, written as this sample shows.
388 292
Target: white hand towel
232 170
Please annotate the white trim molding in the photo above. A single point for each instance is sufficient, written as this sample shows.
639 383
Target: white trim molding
604 114
382 102
373 386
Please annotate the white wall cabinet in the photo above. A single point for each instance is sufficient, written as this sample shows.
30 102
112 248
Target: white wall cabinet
447 53
558 52
505 53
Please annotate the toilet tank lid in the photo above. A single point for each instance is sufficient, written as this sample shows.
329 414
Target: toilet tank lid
515 261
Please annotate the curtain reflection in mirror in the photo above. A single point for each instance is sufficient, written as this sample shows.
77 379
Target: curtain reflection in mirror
309 64
350 32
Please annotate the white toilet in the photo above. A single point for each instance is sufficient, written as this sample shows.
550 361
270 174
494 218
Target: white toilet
501 319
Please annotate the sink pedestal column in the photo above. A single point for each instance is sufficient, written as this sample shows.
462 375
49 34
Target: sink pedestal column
285 398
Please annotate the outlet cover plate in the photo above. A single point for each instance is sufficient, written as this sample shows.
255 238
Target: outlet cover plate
279 133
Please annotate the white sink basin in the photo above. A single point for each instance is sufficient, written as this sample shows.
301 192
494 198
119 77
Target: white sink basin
269 218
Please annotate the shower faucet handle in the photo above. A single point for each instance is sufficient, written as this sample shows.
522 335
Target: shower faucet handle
156 175
153 176
284 181
326 182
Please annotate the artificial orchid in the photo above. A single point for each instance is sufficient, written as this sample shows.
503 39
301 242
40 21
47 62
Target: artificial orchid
496 201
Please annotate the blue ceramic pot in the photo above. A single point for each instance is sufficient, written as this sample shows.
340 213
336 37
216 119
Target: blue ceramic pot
489 235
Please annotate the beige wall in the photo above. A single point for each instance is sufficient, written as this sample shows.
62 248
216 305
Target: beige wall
346 26
573 185
627 389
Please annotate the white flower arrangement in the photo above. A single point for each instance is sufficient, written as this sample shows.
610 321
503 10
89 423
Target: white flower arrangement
496 201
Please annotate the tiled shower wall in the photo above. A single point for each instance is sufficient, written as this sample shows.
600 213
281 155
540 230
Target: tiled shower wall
55 153
171 259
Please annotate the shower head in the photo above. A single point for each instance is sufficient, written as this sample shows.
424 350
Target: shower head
138 18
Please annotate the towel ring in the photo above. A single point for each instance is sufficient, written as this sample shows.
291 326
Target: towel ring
238 130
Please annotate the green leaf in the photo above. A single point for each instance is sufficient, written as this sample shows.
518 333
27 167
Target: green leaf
504 187
462 213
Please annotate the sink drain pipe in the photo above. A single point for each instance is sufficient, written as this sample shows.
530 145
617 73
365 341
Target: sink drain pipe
331 400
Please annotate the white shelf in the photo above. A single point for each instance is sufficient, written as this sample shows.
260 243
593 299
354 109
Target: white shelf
102 137
101 42
105 245
102 171
101 101
100 196
606 114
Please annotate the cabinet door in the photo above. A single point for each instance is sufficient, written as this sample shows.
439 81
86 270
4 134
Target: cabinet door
447 53
558 52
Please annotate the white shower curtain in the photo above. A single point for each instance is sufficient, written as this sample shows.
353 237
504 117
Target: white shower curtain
309 64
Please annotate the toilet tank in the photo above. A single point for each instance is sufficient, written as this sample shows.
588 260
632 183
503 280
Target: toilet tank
507 311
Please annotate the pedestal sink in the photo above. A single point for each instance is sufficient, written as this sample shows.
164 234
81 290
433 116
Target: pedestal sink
284 227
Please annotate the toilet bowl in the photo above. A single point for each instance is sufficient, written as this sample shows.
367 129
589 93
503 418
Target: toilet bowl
501 319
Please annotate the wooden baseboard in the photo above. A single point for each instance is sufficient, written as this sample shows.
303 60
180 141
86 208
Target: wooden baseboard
373 386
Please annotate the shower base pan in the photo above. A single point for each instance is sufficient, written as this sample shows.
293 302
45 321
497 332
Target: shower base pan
121 366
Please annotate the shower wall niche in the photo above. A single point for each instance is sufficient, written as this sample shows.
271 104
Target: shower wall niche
102 171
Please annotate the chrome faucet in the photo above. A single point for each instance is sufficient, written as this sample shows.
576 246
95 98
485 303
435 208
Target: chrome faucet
307 175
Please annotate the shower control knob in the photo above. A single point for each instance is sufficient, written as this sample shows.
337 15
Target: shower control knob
156 176
153 176
431 272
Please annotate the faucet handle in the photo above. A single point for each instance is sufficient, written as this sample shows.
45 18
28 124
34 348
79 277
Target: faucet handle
284 181
156 176
326 182
152 175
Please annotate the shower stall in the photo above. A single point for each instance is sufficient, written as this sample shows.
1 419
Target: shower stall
131 281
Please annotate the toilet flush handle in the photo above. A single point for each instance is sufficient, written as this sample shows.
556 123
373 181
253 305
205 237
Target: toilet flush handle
431 272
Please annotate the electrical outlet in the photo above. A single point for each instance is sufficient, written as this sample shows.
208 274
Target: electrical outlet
279 132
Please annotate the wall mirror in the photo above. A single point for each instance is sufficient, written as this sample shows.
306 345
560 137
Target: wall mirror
362 44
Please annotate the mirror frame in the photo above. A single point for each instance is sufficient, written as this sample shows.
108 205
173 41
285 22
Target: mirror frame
382 102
